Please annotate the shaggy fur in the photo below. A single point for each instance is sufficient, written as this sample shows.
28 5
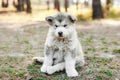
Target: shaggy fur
62 47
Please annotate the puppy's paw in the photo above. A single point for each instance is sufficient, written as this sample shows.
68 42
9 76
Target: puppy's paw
44 69
72 73
37 59
50 70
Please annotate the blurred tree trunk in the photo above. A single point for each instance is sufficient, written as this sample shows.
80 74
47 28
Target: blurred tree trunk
57 5
15 3
77 2
86 3
48 4
66 4
20 6
5 3
29 9
97 9
108 4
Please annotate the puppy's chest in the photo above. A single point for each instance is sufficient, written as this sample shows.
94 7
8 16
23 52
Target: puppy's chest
59 50
61 46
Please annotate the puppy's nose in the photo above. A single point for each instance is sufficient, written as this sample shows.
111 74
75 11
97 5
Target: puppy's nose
60 33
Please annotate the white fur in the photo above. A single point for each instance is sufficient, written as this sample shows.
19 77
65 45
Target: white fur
69 55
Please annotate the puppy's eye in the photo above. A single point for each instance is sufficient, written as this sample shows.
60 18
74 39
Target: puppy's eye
56 26
65 25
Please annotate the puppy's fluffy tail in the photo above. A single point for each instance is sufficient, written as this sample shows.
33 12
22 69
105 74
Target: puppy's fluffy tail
38 59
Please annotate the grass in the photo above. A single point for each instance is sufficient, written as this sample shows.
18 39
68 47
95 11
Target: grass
88 40
107 72
99 78
12 73
105 49
103 40
116 50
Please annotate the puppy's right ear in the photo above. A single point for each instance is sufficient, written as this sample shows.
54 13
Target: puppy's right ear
49 19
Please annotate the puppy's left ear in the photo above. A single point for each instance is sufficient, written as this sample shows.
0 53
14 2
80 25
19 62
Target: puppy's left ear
72 18
50 19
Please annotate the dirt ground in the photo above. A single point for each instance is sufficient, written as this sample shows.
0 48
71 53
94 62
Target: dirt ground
20 41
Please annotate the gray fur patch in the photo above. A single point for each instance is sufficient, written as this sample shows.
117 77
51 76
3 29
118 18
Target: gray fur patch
60 17
47 50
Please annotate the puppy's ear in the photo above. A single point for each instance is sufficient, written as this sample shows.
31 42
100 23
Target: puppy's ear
72 18
49 19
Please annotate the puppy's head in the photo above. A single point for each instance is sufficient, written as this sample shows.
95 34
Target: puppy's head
62 24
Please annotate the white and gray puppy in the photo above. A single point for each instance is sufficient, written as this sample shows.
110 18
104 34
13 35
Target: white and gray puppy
62 47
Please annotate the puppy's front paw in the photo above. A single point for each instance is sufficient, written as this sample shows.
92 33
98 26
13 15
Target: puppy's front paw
38 59
50 70
73 73
44 69
35 59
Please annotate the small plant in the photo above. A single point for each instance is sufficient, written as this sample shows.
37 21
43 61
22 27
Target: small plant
20 73
91 49
9 71
105 60
105 49
116 50
26 41
99 78
103 40
115 42
34 69
89 39
107 72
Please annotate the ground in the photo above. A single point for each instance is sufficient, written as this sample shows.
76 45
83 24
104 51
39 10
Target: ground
20 41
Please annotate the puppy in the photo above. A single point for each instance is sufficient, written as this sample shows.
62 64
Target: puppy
62 48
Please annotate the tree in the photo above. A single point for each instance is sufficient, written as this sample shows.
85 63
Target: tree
19 4
48 4
57 5
5 3
108 4
29 9
77 2
86 3
97 9
66 5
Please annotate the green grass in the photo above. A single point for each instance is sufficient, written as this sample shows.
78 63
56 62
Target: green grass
13 73
21 73
116 50
107 72
91 49
115 42
105 60
105 49
99 78
88 40
9 71
103 40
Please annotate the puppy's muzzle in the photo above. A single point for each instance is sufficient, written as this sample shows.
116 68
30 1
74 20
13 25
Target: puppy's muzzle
60 33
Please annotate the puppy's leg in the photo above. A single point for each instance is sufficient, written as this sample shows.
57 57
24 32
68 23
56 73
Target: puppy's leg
70 65
38 59
48 59
56 68
80 61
